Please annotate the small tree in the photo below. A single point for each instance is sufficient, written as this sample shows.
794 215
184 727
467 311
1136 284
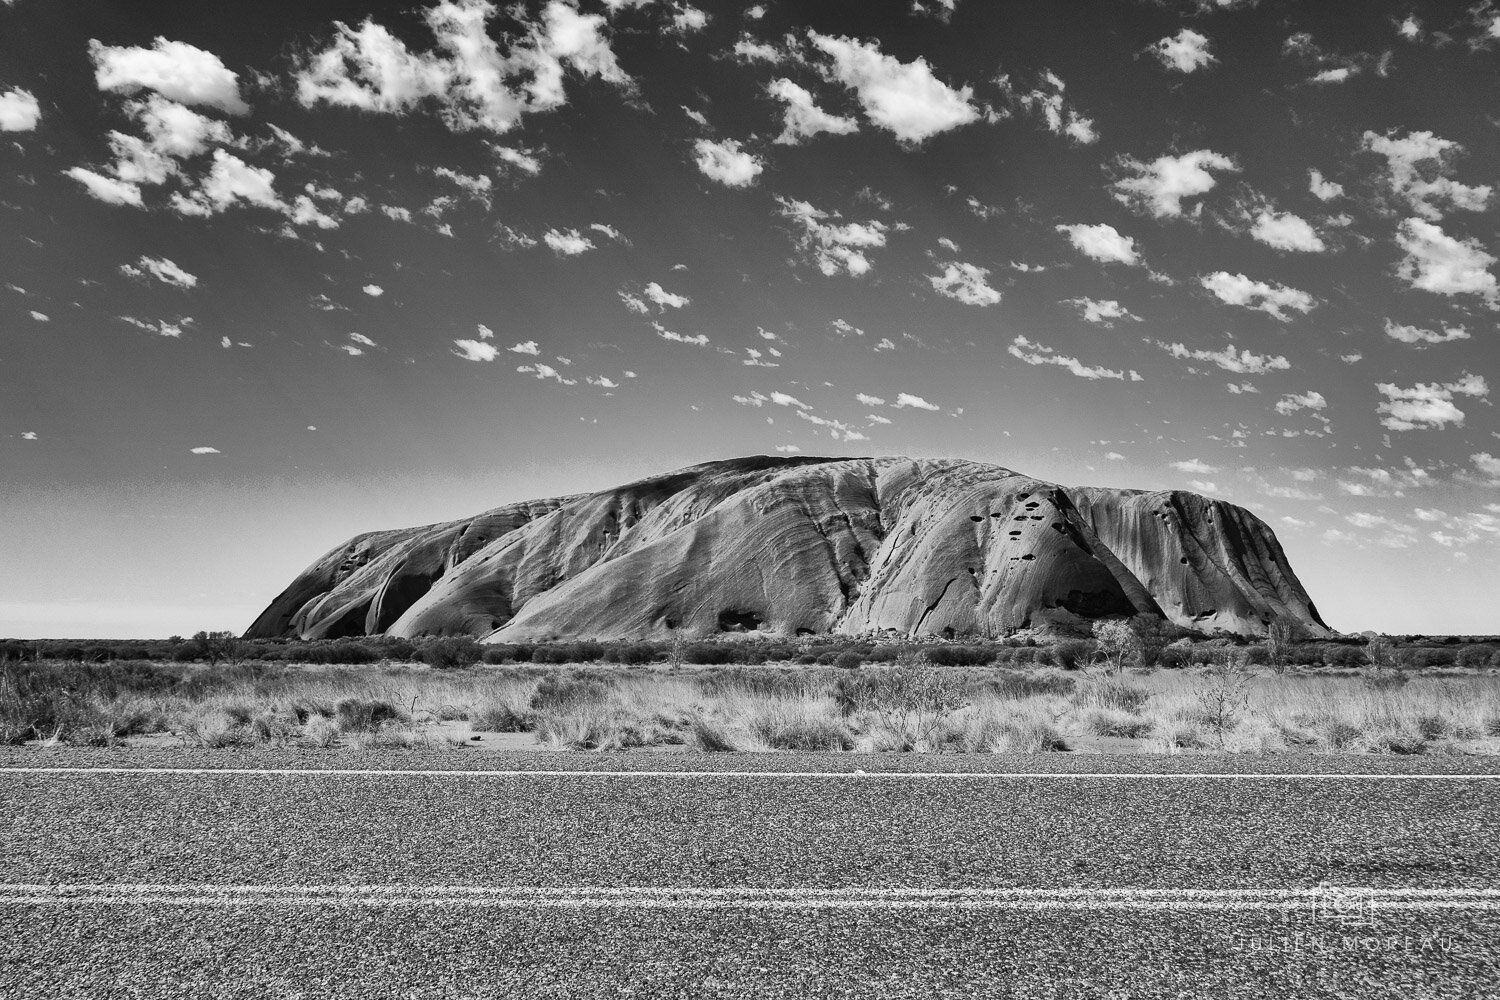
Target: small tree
216 646
1150 638
1115 641
1281 641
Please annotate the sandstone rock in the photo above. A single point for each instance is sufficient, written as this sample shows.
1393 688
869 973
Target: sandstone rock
805 545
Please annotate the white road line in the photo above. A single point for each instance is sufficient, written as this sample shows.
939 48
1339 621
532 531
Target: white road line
1331 902
993 775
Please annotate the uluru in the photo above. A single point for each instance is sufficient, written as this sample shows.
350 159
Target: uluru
804 545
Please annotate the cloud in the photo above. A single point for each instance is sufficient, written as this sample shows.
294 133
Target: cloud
686 19
477 185
602 381
1037 354
162 270
470 79
525 347
1238 290
544 372
19 111
204 450
1427 406
40 317
697 340
1488 466
966 283
609 231
1242 362
726 163
665 299
869 400
106 189
1286 231
1195 466
1185 51
231 180
1102 311
567 242
1102 243
28 435
832 247
360 338
176 70
802 118
1292 402
1321 188
788 448
1047 100
1416 335
1160 186
1442 264
906 400
748 49
1418 168
905 99
475 350
374 291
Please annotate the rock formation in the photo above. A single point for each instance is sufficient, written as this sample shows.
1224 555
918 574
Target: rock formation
794 545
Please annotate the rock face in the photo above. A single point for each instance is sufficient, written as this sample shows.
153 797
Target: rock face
805 545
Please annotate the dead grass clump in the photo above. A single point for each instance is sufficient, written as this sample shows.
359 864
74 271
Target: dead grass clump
319 732
1032 734
1018 685
1110 692
712 736
501 717
1180 734
1113 722
799 727
218 730
563 693
1336 734
357 715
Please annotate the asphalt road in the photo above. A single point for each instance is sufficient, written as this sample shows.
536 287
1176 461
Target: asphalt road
547 875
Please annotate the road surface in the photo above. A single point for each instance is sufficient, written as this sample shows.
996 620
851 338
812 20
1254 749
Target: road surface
135 874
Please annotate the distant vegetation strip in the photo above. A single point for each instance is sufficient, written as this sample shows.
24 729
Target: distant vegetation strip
1129 684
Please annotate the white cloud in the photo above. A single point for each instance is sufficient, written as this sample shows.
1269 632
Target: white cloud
686 19
1417 167
1238 290
906 99
231 180
475 350
802 118
1242 362
1185 51
1427 406
1286 231
609 231
726 163
869 400
1416 335
525 347
785 399
602 381
1047 100
477 185
697 340
1410 29
204 450
40 317
106 189
176 70
522 159
1196 466
1321 188
1160 186
360 338
665 299
966 283
374 291
1488 466
544 371
567 242
1442 264
833 247
1102 243
162 270
788 448
28 435
1037 354
1102 311
19 111
634 303
1292 402
906 400
474 82
748 49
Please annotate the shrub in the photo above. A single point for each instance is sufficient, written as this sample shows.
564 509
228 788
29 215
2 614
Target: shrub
800 730
449 653
1111 692
1070 654
632 653
1475 656
500 717
848 660
959 656
1151 637
356 715
1026 685
710 736
1033 735
1343 656
1107 722
1172 658
712 653
562 694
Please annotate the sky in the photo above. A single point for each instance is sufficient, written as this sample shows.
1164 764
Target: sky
272 275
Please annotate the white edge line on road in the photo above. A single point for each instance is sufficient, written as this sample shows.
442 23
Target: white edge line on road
1336 902
583 773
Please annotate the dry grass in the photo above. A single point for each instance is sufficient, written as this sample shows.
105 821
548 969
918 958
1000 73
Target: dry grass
906 708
